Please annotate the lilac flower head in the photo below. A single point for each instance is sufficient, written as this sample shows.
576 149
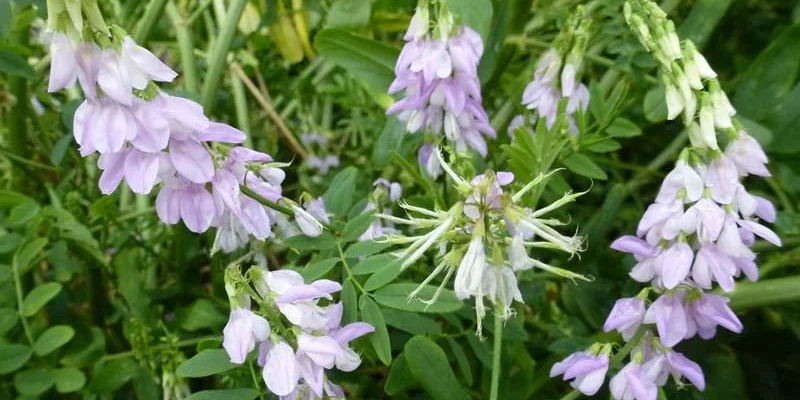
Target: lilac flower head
587 370
626 317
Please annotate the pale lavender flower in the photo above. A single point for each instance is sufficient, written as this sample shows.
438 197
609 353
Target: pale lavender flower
64 65
631 383
470 273
626 317
669 314
281 372
587 370
748 156
428 161
243 331
711 311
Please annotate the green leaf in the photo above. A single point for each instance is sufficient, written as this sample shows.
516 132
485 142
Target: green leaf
14 357
412 323
357 226
5 273
10 198
367 248
39 297
366 59
318 269
770 77
9 242
605 146
655 105
461 359
205 363
340 193
702 20
725 378
582 165
764 136
14 64
383 276
350 301
476 14
373 263
348 14
87 347
110 376
380 338
784 122
33 382
304 243
69 380
202 314
22 214
28 252
391 138
623 128
400 377
428 363
6 16
396 296
225 394
8 319
52 339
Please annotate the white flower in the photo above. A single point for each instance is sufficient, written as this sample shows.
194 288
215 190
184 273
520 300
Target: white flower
281 372
243 330
469 277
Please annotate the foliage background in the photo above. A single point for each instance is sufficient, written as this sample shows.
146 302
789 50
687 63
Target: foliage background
131 299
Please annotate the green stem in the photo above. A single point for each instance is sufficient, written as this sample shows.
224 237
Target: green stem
219 54
616 361
257 197
186 46
165 346
154 11
240 104
347 269
18 289
198 12
16 137
776 186
254 375
497 351
765 293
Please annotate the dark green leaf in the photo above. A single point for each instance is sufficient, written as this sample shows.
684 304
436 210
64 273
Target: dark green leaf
784 122
9 242
476 14
22 214
6 16
202 314
14 64
400 377
428 363
340 193
52 339
33 382
390 139
14 357
318 269
396 296
28 252
5 273
205 363
304 243
350 301
380 338
410 322
356 226
383 276
461 359
110 376
623 128
365 248
582 165
702 20
364 58
373 263
655 105
39 297
605 146
348 14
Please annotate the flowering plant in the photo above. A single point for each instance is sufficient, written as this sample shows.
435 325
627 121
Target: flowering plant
310 200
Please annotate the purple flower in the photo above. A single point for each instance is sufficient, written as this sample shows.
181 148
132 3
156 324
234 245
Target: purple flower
676 262
713 264
631 383
636 246
711 311
680 367
670 316
64 66
747 155
682 179
589 371
428 162
626 317
281 372
722 178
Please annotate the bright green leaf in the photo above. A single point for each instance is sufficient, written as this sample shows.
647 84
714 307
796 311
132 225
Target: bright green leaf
205 363
318 269
110 376
225 394
69 380
340 194
39 297
367 248
14 64
410 322
623 128
348 14
655 105
400 377
476 14
52 339
365 59
350 301
374 263
383 276
25 255
14 357
582 165
33 382
428 363
304 243
357 226
202 314
9 242
22 214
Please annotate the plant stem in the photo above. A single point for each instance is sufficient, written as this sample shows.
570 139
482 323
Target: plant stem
257 197
152 13
186 46
765 293
267 106
18 289
182 343
240 104
496 354
347 269
16 137
616 361
218 58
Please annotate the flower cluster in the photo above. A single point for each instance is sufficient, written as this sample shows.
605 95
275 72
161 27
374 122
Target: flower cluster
438 72
484 239
319 161
698 231
298 338
557 77
152 140
384 194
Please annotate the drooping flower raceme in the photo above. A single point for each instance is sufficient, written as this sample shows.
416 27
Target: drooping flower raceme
700 228
152 140
483 239
298 338
438 70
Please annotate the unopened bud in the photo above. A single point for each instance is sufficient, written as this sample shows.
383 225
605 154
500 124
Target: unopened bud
74 10
674 100
707 131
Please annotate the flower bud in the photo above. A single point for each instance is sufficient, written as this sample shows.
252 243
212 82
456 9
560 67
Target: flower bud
707 132
690 68
674 100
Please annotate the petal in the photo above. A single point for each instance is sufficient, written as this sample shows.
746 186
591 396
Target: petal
352 331
281 371
197 209
676 263
147 62
168 206
141 171
112 79
113 165
217 132
192 160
